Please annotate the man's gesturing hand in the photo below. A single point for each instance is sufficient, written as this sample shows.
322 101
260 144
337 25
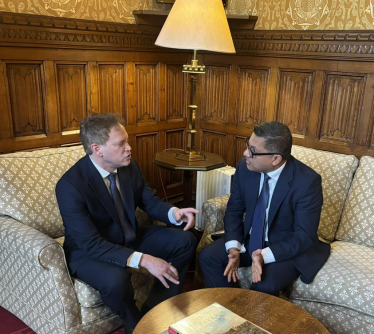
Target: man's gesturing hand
185 215
231 270
257 262
160 268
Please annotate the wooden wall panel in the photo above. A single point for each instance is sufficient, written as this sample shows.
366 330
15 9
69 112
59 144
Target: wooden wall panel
5 112
146 147
112 88
72 95
343 96
216 92
175 139
146 94
26 99
295 100
240 147
215 142
176 93
253 90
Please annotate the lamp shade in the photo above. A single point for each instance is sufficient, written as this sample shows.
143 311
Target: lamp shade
197 25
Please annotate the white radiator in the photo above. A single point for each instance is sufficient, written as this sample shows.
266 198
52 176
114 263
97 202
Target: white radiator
211 184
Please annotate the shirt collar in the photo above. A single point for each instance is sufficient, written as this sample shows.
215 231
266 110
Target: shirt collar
276 173
102 171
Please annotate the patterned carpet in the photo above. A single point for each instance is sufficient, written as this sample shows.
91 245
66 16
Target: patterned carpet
10 324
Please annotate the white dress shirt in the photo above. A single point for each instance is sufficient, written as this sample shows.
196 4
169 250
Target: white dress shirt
267 254
134 259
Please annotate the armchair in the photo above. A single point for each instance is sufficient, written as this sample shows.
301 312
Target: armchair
35 284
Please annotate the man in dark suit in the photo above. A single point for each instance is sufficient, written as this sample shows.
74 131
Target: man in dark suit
282 199
97 198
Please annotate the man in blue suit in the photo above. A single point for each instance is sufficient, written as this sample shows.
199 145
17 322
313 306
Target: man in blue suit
97 198
282 199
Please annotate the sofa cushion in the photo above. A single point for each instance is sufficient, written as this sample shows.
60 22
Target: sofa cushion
27 186
87 296
336 171
357 224
346 279
338 319
141 280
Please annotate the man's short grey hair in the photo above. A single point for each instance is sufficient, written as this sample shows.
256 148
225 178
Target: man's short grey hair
95 129
277 137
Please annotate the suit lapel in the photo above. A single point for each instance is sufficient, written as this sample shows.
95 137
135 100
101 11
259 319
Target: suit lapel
252 187
127 192
96 182
281 189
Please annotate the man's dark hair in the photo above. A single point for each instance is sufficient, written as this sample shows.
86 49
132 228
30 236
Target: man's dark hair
277 137
95 129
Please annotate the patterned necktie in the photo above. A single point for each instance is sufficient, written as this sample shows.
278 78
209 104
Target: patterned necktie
127 228
258 225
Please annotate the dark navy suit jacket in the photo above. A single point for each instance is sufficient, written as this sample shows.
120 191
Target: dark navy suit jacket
294 215
92 226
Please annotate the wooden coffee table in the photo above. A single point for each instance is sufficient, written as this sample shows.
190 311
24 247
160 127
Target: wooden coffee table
271 313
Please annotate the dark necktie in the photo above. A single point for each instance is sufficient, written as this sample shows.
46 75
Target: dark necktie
127 228
258 225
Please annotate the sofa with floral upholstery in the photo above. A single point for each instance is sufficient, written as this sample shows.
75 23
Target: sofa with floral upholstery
342 294
35 284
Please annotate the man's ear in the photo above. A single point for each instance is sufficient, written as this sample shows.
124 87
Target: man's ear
96 149
277 158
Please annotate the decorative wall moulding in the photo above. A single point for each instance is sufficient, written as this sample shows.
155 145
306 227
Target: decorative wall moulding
352 45
26 30
45 31
70 33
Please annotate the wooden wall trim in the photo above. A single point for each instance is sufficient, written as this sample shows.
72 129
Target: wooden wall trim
69 33
354 45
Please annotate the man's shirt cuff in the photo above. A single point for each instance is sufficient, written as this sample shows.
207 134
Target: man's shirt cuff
267 255
134 259
171 217
235 244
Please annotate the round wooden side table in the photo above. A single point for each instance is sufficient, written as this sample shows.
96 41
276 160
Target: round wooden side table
276 315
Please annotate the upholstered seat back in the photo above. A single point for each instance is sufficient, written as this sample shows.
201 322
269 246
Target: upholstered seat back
27 186
336 171
357 224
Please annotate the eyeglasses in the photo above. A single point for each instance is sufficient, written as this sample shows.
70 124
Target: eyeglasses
252 153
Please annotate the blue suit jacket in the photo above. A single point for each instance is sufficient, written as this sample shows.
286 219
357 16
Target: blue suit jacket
294 215
92 226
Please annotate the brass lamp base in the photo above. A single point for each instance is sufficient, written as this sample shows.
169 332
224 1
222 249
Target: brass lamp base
190 156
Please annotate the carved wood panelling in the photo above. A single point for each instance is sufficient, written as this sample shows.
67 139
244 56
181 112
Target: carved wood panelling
146 83
72 95
214 142
343 95
215 94
26 99
253 87
73 33
146 148
295 99
343 44
111 89
176 93
240 147
175 139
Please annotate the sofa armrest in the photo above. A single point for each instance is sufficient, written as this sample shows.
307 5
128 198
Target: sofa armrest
213 212
34 274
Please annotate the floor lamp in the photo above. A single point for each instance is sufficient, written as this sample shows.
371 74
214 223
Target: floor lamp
195 25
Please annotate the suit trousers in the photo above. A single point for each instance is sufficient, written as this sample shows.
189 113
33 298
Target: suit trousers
213 260
114 282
